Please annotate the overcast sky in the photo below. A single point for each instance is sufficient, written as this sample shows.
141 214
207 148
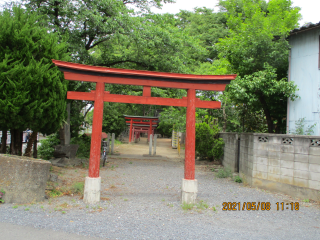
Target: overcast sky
309 8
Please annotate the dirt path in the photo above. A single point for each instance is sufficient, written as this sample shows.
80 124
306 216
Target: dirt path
141 150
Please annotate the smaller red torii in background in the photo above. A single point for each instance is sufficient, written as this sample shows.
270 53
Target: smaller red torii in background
142 123
147 79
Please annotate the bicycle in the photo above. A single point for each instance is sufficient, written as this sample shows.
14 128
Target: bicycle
105 158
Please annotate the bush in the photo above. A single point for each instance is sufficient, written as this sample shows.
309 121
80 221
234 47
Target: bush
238 179
223 173
46 148
84 143
208 143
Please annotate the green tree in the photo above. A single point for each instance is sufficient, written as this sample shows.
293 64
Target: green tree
206 25
33 90
257 50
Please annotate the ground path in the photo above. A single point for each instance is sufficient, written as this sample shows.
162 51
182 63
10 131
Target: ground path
141 200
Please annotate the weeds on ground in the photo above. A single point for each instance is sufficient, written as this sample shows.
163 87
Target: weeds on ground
187 206
16 206
77 188
2 192
237 179
202 205
223 173
306 200
55 192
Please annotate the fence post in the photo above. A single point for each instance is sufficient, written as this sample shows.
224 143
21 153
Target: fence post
112 143
150 145
155 144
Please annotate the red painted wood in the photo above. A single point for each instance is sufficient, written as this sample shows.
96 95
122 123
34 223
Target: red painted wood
130 132
143 123
143 100
189 164
94 162
146 91
143 73
152 83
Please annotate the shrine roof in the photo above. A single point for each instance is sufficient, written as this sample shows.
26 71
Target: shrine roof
141 74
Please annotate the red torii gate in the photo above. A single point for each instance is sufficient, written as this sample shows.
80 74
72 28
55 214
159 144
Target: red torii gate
141 120
147 79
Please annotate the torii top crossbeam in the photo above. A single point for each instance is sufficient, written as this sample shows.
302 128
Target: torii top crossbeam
147 79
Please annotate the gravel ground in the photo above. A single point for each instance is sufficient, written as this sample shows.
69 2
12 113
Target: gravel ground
141 200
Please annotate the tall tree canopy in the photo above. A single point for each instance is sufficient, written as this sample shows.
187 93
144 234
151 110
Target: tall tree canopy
257 50
33 90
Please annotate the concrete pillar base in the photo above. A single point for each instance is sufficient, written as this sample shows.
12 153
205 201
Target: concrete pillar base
92 189
189 191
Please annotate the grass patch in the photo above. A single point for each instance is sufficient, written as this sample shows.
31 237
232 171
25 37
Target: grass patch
187 206
77 188
306 200
202 205
14 207
54 193
223 173
237 179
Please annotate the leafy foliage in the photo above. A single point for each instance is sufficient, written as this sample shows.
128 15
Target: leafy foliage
84 143
257 50
208 143
238 179
33 89
262 91
46 149
300 128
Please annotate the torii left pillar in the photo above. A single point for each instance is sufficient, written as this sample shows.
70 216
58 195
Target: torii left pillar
189 188
92 185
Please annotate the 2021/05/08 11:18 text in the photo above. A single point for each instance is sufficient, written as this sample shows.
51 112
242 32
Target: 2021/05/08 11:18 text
256 206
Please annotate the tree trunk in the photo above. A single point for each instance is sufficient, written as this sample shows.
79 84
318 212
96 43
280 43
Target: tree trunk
266 113
4 141
16 142
30 143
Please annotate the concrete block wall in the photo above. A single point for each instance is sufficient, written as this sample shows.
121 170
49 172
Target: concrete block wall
286 163
230 156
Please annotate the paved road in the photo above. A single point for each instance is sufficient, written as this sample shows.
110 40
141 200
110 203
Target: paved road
9 231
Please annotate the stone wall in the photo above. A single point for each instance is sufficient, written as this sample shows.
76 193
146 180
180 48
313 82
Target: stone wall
23 179
279 162
230 151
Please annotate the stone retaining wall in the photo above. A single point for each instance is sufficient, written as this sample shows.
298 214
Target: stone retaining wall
23 179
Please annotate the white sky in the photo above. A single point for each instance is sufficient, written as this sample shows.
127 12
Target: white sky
309 8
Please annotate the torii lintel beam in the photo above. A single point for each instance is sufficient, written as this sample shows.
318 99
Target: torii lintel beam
107 97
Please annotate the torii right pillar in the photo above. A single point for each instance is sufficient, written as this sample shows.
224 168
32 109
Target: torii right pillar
189 183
